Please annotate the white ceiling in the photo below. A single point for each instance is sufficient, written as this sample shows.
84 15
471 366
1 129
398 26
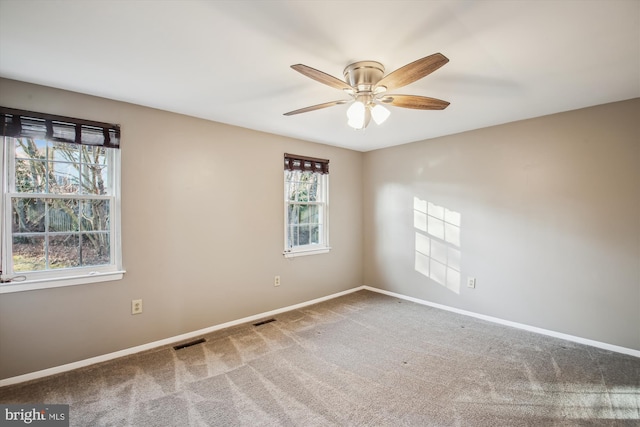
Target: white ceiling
229 61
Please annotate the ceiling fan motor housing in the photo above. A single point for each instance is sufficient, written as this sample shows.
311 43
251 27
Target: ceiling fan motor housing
363 75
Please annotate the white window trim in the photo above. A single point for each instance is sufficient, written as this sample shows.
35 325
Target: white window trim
18 282
306 250
51 282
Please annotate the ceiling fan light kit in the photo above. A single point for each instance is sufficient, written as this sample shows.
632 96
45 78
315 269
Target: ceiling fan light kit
366 83
358 116
379 114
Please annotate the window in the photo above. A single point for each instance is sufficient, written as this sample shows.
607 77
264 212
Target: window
306 196
60 201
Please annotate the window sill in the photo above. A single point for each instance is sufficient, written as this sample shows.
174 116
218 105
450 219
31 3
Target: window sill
297 253
32 285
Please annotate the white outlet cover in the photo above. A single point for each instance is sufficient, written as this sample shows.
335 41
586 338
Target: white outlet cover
136 306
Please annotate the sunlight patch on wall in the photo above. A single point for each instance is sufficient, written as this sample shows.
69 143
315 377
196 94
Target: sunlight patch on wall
437 243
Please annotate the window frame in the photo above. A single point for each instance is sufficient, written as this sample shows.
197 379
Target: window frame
323 191
11 281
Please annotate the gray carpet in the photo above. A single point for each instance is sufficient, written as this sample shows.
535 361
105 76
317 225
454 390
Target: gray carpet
364 359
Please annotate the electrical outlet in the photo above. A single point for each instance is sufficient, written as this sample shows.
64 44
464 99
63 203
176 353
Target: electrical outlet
276 281
471 282
136 306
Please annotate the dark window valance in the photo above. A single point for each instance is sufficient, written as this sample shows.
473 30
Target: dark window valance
294 162
27 124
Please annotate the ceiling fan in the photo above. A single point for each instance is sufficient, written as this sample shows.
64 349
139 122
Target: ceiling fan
366 83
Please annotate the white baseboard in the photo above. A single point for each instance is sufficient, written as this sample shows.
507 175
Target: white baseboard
149 346
592 343
172 340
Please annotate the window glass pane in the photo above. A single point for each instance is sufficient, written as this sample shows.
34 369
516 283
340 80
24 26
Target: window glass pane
308 214
28 253
27 148
63 215
313 187
314 236
31 176
27 215
94 155
293 235
303 214
62 151
303 235
95 249
95 179
95 215
292 191
64 178
63 251
302 194
292 217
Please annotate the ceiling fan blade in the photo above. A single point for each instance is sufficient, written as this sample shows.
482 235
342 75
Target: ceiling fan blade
321 77
316 107
413 71
415 102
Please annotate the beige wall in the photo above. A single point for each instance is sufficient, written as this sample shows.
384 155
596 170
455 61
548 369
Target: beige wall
202 220
549 221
